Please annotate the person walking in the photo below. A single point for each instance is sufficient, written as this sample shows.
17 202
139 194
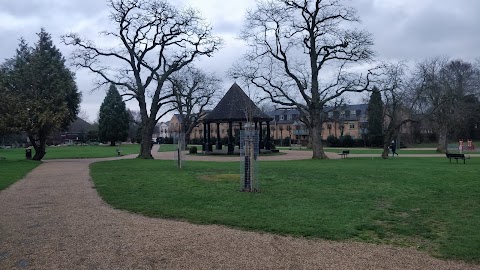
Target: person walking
393 146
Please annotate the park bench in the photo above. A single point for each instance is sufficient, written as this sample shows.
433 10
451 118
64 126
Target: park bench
119 152
457 157
344 153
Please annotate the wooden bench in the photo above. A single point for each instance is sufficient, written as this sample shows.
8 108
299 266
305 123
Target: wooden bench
344 153
119 152
457 157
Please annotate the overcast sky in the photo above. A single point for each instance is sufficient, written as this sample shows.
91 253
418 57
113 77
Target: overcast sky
403 30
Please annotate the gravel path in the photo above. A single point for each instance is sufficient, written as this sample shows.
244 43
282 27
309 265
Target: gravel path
54 219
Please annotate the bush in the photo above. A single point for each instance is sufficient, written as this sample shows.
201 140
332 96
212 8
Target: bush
198 141
359 143
168 140
333 141
193 150
286 141
347 141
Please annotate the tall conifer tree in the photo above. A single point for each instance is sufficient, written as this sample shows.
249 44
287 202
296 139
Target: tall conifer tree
375 118
45 92
114 118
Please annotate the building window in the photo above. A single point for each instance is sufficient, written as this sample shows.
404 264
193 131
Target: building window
330 114
342 114
289 117
353 113
352 126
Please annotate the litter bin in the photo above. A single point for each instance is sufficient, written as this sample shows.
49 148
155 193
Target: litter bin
28 153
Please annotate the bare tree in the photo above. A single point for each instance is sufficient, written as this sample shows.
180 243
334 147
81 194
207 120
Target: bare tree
401 102
301 51
447 84
155 40
193 91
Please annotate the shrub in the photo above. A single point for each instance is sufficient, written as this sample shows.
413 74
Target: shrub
347 141
333 141
193 150
286 141
197 141
168 140
359 143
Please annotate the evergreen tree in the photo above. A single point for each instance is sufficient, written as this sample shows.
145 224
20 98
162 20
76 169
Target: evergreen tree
47 95
375 118
114 118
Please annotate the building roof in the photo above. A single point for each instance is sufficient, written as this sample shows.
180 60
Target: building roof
235 106
359 109
79 126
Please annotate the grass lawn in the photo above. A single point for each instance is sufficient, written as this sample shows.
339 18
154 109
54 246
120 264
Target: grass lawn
363 150
424 203
14 167
380 151
13 170
173 147
74 151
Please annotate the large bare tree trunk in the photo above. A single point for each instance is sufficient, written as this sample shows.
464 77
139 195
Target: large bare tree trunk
387 139
146 144
316 135
386 144
442 140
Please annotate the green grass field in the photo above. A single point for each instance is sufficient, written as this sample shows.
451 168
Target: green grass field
13 165
425 203
13 170
75 151
380 151
173 147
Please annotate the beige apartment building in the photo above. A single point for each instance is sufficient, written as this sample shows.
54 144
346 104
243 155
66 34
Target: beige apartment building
345 120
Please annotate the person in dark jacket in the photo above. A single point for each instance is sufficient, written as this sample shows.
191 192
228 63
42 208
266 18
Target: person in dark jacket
393 146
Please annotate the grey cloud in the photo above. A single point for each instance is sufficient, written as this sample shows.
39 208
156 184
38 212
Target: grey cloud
425 29
444 28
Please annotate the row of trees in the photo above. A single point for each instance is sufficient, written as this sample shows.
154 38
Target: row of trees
302 54
440 94
294 43
192 91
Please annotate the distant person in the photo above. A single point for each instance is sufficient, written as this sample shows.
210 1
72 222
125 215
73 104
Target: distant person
393 146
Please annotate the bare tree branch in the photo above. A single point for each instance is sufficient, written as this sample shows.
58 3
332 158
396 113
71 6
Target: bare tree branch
294 46
156 40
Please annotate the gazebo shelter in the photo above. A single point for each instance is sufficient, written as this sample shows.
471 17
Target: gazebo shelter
235 107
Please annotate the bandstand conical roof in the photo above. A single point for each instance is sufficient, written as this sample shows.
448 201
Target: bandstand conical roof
236 106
